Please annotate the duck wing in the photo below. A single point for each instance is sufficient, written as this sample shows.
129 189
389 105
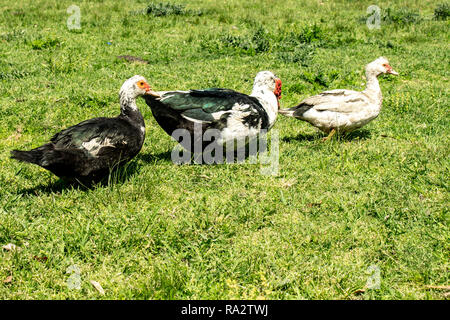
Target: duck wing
210 107
97 137
340 101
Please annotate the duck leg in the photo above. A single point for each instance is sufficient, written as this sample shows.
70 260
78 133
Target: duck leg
332 132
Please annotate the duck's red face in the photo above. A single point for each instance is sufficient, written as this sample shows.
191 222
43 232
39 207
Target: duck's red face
389 69
277 91
143 85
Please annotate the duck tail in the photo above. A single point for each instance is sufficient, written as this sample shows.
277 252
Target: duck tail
287 112
32 156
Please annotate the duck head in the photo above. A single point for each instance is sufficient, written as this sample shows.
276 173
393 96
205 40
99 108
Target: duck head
134 87
266 80
380 66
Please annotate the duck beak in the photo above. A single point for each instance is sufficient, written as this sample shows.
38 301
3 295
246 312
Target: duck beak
150 92
391 71
147 88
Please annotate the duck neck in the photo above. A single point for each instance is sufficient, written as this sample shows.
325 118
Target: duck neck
268 100
130 111
373 89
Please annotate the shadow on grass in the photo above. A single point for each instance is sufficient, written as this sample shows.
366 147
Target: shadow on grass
116 177
194 158
149 157
355 135
56 187
301 137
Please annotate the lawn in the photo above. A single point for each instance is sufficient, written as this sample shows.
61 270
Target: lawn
363 216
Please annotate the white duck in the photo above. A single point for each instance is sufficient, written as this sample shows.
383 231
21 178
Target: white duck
344 110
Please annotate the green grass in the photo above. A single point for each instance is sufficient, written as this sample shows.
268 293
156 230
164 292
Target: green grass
377 197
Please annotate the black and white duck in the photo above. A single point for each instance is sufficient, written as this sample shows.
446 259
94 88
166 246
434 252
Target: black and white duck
344 110
232 114
88 151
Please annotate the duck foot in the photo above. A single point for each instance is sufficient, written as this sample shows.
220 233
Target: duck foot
332 132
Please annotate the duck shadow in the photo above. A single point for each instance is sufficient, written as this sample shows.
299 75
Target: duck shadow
150 157
55 187
355 135
116 177
234 156
300 137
